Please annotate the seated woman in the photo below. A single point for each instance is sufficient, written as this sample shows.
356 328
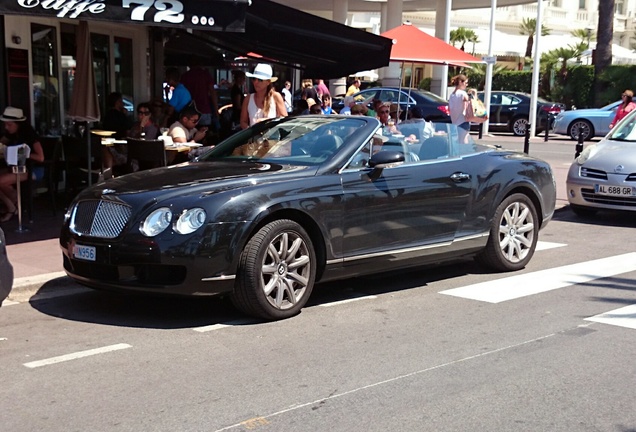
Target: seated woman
145 126
16 131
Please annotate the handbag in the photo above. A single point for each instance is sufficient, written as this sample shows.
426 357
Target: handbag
475 111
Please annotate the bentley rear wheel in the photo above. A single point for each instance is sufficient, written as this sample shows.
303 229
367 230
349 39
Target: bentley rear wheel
276 271
513 235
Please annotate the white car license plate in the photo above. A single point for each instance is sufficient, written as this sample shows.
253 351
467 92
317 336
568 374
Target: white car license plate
626 191
86 253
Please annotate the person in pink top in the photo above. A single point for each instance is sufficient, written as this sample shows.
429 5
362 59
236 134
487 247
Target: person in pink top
625 108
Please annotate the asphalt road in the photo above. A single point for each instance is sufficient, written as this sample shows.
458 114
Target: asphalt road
549 348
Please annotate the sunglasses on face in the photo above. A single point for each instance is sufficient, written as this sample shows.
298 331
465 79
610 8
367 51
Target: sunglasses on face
143 112
258 79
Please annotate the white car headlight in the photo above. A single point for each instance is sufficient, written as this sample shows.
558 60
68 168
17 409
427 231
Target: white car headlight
190 221
156 222
587 153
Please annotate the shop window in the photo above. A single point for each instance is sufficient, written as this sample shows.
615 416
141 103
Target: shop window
45 86
123 55
101 66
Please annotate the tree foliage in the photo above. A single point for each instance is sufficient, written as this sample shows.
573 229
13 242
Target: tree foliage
528 27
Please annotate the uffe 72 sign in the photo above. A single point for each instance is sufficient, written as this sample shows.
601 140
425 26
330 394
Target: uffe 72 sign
228 15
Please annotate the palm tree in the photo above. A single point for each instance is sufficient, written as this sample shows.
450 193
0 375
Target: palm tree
603 55
528 27
585 36
459 35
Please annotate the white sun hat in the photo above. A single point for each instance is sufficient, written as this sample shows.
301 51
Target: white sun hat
12 114
262 71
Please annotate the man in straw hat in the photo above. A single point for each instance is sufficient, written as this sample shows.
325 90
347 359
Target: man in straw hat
17 131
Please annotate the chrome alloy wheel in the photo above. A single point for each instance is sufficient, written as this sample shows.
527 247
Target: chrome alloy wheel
285 270
516 232
519 126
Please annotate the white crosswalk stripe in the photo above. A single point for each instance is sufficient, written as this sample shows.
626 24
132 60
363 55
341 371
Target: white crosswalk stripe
623 317
515 287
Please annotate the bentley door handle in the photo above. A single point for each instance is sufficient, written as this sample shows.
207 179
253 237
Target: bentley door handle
459 177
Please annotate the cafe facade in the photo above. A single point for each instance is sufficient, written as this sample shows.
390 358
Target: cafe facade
39 41
133 41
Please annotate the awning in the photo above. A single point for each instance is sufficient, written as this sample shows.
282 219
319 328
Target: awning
323 48
216 15
412 45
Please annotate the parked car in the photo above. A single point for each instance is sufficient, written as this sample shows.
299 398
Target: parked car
291 201
510 112
590 122
604 174
6 270
434 108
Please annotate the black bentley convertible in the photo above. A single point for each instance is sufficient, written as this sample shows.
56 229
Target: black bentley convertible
289 202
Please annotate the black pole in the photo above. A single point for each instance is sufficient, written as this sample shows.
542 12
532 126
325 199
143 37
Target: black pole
547 127
579 144
481 130
526 142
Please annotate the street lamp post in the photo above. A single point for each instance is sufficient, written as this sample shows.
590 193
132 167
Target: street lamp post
589 29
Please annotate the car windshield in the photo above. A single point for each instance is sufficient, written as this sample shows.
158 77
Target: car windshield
300 140
625 130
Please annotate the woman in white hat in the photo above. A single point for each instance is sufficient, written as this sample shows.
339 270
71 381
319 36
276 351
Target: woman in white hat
16 131
265 102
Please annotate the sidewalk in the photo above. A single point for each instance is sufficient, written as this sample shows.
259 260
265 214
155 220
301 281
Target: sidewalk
37 259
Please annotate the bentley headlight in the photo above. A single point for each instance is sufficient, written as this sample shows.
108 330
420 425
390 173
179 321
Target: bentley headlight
586 154
190 221
156 222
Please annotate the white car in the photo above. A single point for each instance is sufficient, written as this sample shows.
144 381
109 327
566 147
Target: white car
604 175
592 122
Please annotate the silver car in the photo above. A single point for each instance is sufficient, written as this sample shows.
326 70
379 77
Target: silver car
604 175
591 122
6 270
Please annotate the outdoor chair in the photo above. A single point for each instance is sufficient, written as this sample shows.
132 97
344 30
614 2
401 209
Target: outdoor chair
145 154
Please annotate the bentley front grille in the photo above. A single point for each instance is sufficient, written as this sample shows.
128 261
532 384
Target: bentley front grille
102 219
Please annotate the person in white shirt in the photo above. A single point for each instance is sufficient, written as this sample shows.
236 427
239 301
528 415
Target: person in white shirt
287 96
265 102
349 101
457 103
185 129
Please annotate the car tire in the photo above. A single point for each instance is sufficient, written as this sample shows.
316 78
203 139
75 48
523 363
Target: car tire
588 130
276 271
519 126
583 211
513 235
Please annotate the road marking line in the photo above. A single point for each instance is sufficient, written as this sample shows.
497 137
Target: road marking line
9 303
213 327
76 355
543 245
337 303
622 317
37 279
514 287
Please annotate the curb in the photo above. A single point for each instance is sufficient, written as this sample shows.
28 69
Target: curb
40 286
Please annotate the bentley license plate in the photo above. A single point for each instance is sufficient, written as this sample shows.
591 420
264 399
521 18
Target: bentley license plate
86 253
625 191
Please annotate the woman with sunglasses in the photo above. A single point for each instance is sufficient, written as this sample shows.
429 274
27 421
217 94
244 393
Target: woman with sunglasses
145 126
265 102
624 108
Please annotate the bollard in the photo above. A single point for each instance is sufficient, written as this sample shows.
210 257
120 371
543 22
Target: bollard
547 127
526 142
481 130
579 143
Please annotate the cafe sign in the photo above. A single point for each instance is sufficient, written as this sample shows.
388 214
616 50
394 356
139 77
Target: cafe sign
219 15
